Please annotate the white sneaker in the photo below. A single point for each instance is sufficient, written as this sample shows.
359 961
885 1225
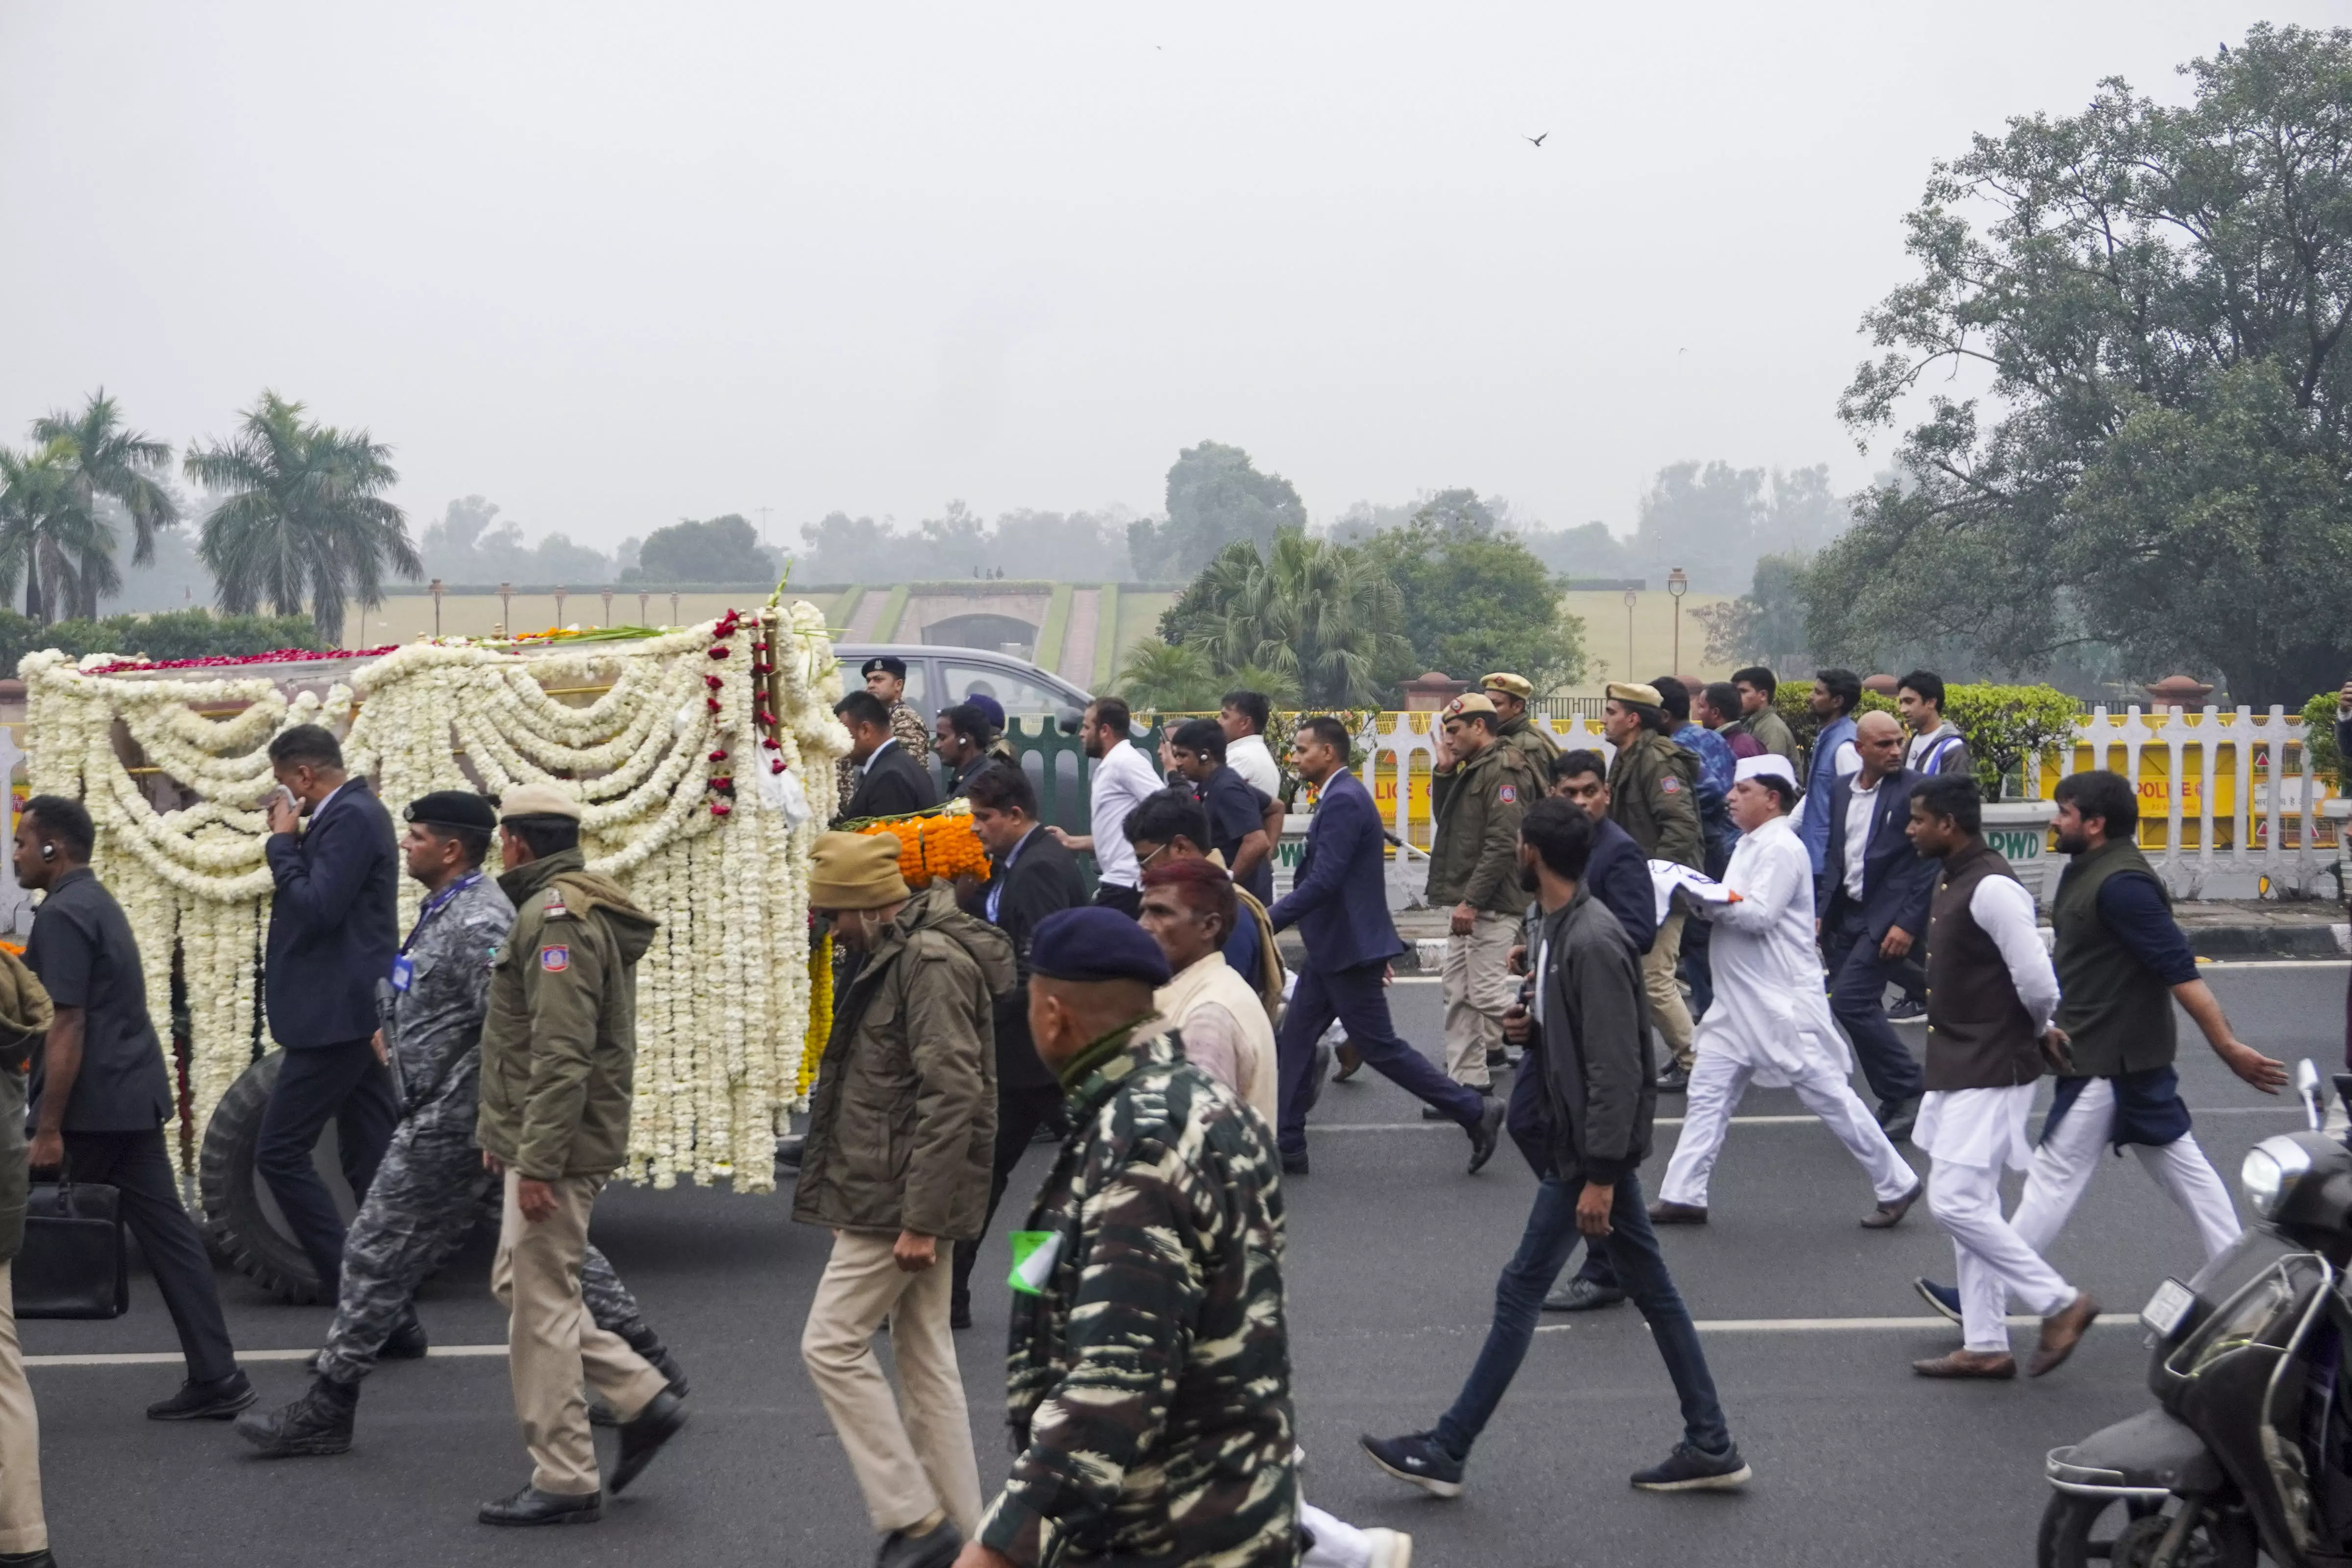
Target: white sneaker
1389 1549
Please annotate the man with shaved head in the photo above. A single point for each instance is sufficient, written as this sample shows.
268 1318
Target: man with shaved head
1873 896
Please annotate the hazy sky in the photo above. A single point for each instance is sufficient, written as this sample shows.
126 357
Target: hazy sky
611 264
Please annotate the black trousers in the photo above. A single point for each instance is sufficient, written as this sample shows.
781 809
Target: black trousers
1021 1110
316 1084
137 1166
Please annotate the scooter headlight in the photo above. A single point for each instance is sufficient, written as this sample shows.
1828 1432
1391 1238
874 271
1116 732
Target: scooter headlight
2271 1168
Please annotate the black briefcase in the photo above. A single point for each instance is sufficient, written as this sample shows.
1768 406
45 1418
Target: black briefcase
74 1262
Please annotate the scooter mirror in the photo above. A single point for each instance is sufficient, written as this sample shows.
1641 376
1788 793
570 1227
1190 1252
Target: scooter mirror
2306 1085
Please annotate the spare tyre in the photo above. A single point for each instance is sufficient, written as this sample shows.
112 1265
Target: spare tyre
242 1222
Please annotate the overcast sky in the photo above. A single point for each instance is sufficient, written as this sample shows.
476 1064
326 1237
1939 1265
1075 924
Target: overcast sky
612 265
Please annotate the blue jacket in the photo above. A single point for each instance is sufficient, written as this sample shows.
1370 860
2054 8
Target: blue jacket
1618 875
1339 901
1813 825
334 925
1896 880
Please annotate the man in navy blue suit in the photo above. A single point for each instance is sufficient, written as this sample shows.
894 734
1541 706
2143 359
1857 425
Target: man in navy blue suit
1873 896
334 931
1339 904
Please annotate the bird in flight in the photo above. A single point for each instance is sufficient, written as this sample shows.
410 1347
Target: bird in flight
1535 141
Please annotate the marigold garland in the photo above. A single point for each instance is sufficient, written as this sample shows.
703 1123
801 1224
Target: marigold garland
936 843
820 1015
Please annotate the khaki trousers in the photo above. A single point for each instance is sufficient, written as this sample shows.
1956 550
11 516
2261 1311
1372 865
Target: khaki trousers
552 1344
22 1526
1667 1009
912 1455
1479 990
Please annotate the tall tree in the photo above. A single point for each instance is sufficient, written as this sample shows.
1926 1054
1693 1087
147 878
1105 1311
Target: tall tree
1702 518
1326 616
109 462
2160 300
721 550
49 539
1476 598
1216 497
301 517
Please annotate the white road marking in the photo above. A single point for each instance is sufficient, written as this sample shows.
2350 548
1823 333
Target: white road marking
1837 1325
2295 1110
162 1358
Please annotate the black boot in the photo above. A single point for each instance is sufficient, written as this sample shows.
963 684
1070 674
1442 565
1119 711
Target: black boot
408 1342
646 1343
318 1423
643 1437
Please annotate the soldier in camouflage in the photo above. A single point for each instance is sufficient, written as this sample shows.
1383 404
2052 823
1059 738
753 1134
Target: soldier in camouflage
1149 1385
432 1189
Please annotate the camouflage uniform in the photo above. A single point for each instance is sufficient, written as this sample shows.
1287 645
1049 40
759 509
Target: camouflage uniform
1149 1385
432 1190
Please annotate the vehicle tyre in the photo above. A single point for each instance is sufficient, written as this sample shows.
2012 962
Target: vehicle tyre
240 1223
2077 1531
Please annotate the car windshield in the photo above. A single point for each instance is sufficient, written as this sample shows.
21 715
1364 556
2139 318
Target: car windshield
1021 695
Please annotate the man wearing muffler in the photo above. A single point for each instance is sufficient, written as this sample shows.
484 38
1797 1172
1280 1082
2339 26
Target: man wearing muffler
1991 996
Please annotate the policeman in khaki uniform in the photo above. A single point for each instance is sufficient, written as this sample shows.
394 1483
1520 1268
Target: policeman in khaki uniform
1510 695
1653 795
558 1051
1474 865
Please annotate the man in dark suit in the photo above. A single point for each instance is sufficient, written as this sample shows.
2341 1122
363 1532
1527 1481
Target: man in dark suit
890 782
1033 877
1339 904
334 931
1873 897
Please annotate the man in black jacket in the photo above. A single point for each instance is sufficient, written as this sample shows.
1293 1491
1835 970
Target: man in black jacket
1872 893
1589 1040
1035 877
890 782
334 930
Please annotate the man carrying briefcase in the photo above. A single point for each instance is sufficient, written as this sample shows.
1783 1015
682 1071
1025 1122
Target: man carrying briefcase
101 1094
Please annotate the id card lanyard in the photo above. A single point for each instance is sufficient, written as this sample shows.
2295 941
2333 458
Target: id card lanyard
403 968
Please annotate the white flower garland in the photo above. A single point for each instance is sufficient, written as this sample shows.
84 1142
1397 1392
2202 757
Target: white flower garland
722 993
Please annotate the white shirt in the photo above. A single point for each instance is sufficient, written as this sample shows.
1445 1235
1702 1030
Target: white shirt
2003 911
1121 778
1250 757
1857 833
1226 1032
1916 752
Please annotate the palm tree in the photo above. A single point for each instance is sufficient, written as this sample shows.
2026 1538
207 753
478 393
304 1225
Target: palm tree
1167 678
1325 615
106 462
303 516
51 542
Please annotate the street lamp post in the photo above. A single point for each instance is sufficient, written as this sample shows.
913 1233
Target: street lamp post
506 607
642 597
437 591
1678 584
1630 596
608 606
559 605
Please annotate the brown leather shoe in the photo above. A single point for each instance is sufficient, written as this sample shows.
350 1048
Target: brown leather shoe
1993 1364
2062 1330
1677 1214
1887 1216
1349 1058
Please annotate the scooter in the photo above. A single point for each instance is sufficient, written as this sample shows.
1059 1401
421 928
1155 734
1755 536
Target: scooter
2249 1450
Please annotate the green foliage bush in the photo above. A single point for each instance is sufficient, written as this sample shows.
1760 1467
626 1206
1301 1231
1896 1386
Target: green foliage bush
2004 726
2319 739
172 633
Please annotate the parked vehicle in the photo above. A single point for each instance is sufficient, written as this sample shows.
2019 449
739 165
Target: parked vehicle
2249 1451
939 677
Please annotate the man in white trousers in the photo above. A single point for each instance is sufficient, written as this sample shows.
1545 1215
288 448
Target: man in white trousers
1991 996
1770 1025
2122 962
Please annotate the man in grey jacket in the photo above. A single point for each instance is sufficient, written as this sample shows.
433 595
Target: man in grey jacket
1589 1040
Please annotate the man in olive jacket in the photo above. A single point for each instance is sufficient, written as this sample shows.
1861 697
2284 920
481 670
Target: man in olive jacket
1653 795
901 1138
559 1052
1474 867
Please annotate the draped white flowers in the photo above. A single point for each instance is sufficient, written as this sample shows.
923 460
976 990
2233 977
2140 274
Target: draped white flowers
722 997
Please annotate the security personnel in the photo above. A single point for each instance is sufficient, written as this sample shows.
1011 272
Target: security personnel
428 1195
885 678
1474 865
1147 1384
558 1051
1510 694
1653 795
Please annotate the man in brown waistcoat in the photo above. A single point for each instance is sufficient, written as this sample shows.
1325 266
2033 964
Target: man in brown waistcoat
2122 962
1991 996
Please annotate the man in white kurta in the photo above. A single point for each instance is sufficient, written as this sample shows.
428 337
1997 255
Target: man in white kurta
1770 1024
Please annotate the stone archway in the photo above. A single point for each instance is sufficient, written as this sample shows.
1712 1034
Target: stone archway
983 629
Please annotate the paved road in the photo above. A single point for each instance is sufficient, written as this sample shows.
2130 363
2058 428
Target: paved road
1393 1253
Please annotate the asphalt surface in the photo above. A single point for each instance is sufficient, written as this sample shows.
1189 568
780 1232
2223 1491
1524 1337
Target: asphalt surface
1393 1253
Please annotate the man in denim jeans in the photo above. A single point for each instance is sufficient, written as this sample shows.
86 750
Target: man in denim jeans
1589 1043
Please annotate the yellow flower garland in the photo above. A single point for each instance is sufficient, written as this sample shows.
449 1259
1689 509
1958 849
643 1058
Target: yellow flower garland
820 1014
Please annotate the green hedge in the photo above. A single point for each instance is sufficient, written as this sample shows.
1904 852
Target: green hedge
2005 726
172 634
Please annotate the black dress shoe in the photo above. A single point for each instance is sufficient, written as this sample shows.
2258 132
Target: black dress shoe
318 1423
531 1506
939 1548
641 1439
217 1399
1486 1135
1294 1164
